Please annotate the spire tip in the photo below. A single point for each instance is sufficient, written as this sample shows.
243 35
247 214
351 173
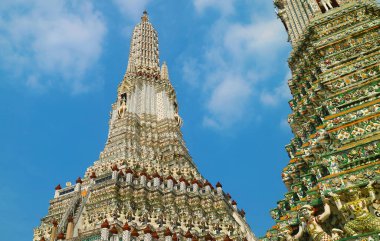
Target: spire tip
145 16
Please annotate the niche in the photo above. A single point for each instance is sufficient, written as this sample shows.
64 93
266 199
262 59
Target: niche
123 98
326 5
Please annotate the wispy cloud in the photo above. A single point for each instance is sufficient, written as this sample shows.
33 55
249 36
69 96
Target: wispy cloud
262 39
131 8
51 42
225 7
227 102
238 56
190 72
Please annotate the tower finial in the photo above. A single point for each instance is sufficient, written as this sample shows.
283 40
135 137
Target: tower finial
145 16
164 72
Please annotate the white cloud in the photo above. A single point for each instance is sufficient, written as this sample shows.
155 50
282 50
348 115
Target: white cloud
225 6
237 57
49 39
34 83
132 8
227 102
262 38
190 72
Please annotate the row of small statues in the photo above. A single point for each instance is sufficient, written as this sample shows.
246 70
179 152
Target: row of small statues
363 220
327 4
122 109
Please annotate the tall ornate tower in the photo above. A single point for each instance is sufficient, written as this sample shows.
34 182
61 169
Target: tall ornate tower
334 169
145 185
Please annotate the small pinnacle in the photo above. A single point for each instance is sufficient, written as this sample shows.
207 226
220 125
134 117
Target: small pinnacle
145 16
164 71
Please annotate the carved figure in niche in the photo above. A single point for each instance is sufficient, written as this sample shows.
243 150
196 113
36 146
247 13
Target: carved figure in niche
178 119
122 106
286 234
311 223
363 220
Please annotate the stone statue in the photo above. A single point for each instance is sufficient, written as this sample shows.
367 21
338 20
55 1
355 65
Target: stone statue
311 223
326 4
363 220
122 109
286 234
178 119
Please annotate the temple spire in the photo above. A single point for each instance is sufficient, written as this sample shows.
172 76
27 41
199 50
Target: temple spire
144 152
164 71
144 53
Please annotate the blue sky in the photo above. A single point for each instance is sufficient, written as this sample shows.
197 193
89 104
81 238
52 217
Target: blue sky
61 62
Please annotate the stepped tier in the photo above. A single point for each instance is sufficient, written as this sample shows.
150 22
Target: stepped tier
333 177
144 186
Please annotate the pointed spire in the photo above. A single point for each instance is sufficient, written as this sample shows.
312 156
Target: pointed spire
61 236
155 235
145 16
134 233
93 175
113 230
242 212
164 72
126 227
114 168
227 238
79 180
167 232
188 234
175 237
105 224
144 54
147 229
208 237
